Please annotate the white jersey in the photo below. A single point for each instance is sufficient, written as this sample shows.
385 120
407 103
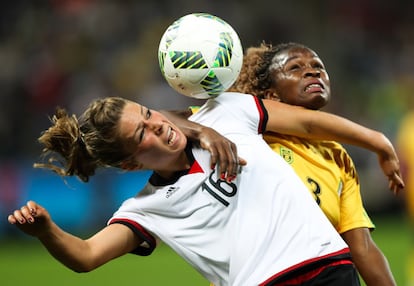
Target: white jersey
260 226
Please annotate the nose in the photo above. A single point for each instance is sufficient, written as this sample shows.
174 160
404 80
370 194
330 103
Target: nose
155 126
312 72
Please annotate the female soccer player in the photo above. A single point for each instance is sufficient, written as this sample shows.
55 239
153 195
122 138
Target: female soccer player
262 228
294 74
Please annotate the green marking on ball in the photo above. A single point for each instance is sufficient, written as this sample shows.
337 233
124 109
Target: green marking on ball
225 51
187 60
211 84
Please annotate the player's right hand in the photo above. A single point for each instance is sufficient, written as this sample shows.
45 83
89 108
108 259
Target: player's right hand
31 218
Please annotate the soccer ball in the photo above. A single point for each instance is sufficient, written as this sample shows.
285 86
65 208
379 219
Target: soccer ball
200 55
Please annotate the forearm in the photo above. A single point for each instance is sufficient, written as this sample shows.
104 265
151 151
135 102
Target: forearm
346 131
332 127
310 124
68 249
190 129
77 254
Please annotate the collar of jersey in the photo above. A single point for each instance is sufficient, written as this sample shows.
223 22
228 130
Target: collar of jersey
157 180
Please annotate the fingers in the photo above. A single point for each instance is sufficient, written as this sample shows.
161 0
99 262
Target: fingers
228 161
396 184
242 162
12 219
223 153
23 215
391 168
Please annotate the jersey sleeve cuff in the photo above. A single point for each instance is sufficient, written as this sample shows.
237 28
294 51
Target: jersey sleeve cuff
149 243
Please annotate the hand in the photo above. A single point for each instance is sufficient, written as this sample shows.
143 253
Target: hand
391 168
223 152
31 218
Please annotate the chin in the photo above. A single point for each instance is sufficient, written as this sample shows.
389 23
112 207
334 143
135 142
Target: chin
318 102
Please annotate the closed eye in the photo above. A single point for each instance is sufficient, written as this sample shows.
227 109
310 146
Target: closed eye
319 66
147 115
294 67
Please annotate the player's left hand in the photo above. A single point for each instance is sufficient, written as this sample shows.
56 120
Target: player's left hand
223 152
391 168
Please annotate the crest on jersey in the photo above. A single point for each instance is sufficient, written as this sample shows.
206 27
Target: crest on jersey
286 154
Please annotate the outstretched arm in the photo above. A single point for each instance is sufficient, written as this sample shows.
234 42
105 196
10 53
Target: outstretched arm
297 121
75 253
222 150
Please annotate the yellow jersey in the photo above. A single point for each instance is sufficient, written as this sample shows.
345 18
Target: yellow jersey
330 175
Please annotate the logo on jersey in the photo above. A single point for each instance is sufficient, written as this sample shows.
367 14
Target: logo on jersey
171 190
286 154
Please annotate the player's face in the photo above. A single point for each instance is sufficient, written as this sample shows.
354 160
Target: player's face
300 79
154 142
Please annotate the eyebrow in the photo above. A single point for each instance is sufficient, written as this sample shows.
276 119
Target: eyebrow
292 58
296 57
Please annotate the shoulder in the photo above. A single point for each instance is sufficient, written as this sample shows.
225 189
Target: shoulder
227 105
234 98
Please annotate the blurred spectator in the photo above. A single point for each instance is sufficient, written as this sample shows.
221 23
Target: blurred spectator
405 149
10 182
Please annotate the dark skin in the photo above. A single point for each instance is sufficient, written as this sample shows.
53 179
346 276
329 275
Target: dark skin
300 79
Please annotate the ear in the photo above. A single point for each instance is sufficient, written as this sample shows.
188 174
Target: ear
131 166
271 94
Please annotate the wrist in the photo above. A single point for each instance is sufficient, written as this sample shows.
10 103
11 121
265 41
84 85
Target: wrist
383 146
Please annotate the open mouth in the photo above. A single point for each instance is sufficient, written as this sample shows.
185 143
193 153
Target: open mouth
314 87
171 136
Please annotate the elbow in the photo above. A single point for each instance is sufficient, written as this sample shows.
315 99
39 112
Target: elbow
81 268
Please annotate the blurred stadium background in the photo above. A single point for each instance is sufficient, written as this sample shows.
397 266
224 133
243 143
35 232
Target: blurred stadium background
66 52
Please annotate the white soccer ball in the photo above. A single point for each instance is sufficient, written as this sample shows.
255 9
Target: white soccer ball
200 55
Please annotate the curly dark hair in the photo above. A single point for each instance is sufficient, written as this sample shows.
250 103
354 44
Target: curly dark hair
256 73
79 146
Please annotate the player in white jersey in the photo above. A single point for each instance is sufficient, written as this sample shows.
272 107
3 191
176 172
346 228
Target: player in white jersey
254 230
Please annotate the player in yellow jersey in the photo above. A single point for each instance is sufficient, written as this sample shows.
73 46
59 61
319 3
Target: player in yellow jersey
293 73
405 149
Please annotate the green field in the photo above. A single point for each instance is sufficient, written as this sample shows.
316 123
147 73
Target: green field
28 264
25 262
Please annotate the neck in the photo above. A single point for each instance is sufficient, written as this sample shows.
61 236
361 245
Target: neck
181 163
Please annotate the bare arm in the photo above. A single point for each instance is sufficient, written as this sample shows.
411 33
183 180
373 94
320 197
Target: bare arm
222 150
371 263
297 121
75 253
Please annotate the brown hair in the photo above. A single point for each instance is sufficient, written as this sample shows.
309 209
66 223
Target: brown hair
79 146
256 75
